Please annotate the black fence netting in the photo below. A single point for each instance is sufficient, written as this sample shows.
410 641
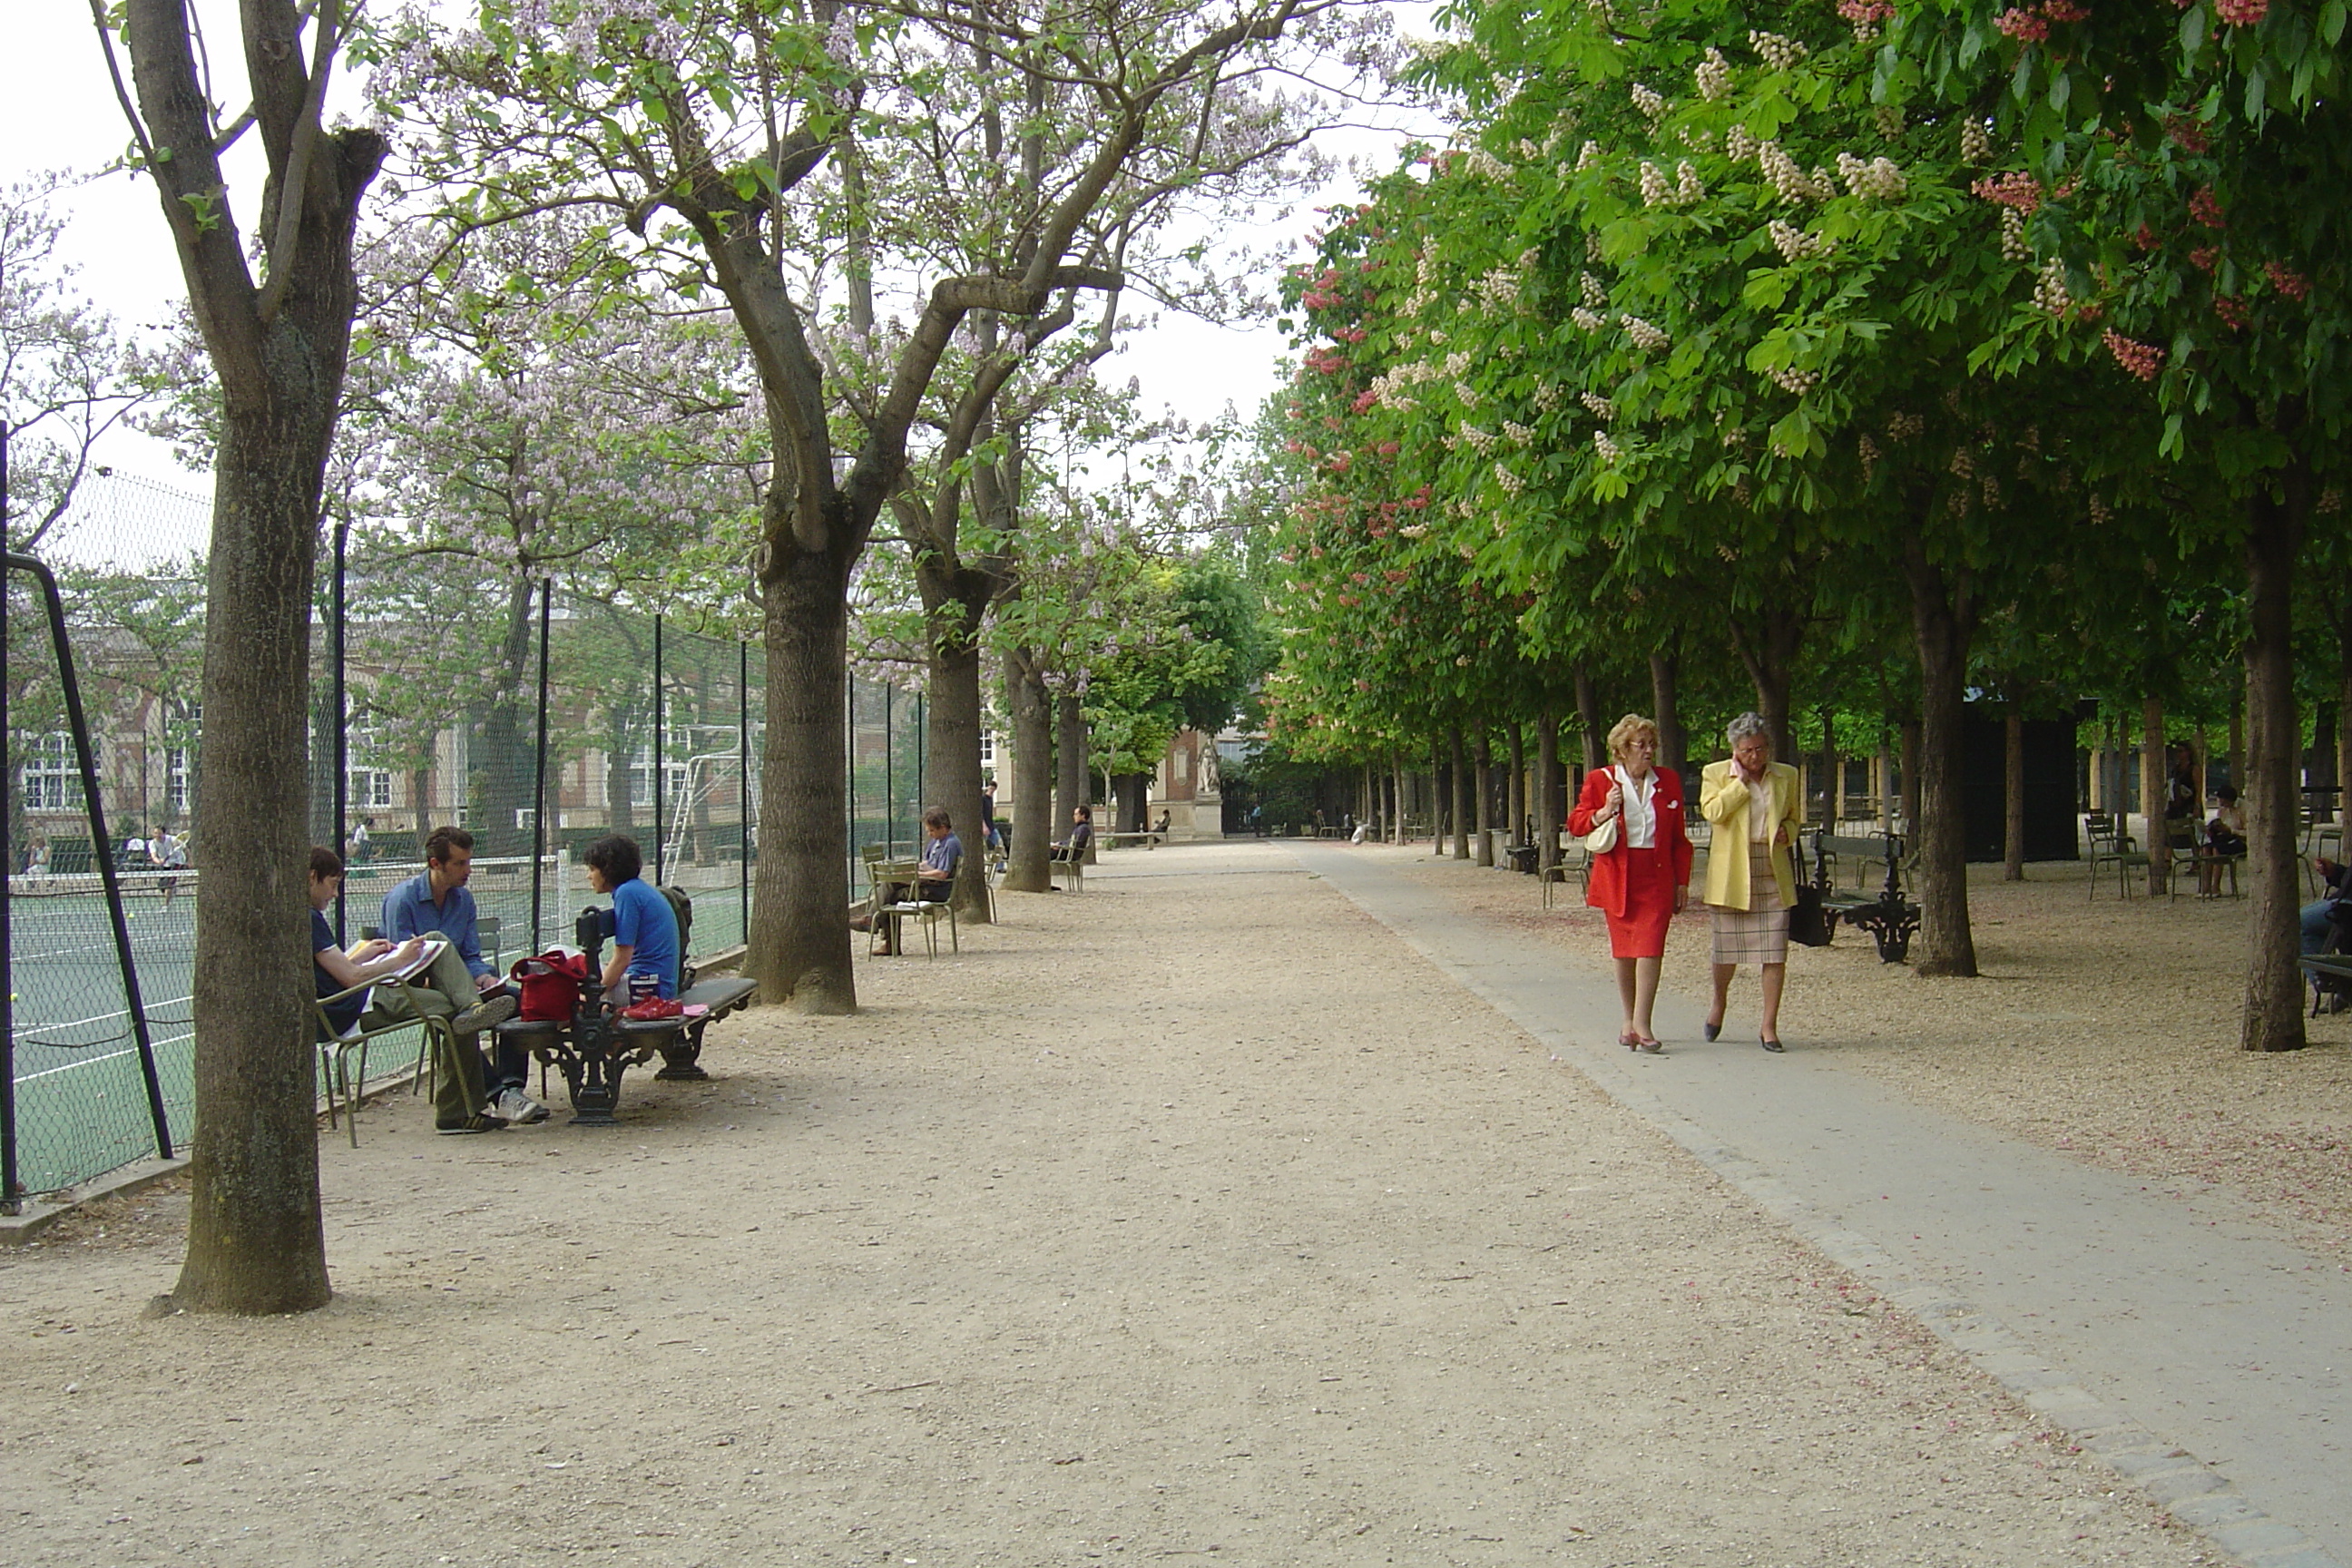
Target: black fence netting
537 718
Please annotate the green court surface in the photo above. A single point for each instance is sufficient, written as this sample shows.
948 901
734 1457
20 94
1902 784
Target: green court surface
81 1106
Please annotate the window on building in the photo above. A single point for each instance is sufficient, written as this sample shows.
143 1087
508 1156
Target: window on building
183 723
987 748
52 778
641 778
371 787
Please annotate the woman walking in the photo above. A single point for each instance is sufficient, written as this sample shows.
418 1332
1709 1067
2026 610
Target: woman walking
1642 880
1756 808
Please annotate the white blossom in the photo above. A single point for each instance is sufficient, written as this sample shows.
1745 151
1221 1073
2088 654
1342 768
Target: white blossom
1799 382
1976 142
1713 76
1602 408
1516 434
1609 449
1512 484
2014 246
1585 321
2049 290
1877 178
1647 100
1738 144
1644 334
1778 52
1793 243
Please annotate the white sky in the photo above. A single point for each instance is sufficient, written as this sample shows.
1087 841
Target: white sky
58 110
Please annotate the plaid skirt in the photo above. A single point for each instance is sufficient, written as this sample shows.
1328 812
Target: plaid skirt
1759 933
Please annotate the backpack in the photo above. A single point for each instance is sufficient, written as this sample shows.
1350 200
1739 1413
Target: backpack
683 908
551 984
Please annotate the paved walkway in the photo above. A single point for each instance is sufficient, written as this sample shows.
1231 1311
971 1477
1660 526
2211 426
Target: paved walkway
2203 1357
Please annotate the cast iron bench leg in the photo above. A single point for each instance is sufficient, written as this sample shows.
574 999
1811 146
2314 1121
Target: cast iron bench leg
682 1054
596 1083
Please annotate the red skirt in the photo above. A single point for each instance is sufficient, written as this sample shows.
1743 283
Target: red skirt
1641 930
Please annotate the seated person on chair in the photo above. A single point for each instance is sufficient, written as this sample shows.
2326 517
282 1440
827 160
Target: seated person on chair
644 928
2225 839
459 1104
935 876
435 902
1082 834
2335 898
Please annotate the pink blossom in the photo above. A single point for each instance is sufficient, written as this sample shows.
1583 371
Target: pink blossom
2206 208
2287 281
2023 25
2242 13
2015 189
2143 360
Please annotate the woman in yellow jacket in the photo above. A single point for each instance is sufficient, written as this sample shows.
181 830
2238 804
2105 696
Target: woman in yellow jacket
1757 807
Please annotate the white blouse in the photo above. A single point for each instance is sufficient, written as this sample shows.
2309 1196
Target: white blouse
1638 827
1759 810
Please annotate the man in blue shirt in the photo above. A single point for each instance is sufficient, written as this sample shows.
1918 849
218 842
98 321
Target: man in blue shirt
435 902
644 928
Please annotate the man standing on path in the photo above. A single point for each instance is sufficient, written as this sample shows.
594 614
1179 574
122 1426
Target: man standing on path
435 902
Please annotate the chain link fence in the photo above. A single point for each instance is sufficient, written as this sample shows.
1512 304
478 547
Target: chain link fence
538 717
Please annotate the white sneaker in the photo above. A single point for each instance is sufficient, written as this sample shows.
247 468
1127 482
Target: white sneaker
517 1107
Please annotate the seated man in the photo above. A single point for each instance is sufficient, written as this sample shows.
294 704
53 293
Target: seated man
935 875
644 928
459 1104
1082 834
435 902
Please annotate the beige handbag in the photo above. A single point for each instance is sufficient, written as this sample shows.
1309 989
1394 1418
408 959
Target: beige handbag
1604 839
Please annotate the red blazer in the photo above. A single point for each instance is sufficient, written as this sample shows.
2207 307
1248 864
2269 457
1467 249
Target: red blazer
1607 889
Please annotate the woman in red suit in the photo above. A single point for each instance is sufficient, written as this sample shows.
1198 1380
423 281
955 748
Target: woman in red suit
1644 881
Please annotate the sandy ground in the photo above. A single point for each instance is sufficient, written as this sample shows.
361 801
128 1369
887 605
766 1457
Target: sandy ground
2107 1028
1191 1216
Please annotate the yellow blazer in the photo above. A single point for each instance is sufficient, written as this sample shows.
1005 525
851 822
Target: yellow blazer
1723 800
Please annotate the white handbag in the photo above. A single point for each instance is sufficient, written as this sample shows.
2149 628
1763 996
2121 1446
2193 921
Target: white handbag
1604 839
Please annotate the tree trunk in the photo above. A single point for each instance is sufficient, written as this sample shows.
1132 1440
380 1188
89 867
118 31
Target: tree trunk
1665 698
1482 851
1588 717
1026 868
620 754
1518 793
1767 642
1461 801
2154 792
1910 780
255 1239
502 772
1396 793
951 771
279 352
1832 772
1886 779
799 950
1072 781
1551 816
2273 1016
2012 836
1943 619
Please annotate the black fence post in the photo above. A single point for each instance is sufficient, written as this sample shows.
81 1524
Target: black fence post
103 847
743 772
889 769
342 728
539 774
849 762
661 763
11 1202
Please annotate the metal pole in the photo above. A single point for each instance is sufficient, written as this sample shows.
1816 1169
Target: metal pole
890 803
538 772
10 1200
849 754
918 767
342 728
743 770
103 845
658 769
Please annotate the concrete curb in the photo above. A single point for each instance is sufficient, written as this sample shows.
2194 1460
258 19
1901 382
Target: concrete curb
17 1229
2173 1478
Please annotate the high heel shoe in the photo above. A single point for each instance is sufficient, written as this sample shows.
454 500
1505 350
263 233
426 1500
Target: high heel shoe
1773 1046
1712 1030
1652 1046
1629 1040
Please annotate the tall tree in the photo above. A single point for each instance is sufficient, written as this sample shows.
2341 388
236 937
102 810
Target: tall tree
278 345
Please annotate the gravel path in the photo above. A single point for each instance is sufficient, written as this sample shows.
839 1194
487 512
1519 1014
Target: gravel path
1190 1217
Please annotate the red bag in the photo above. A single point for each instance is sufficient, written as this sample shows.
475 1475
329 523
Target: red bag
551 984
